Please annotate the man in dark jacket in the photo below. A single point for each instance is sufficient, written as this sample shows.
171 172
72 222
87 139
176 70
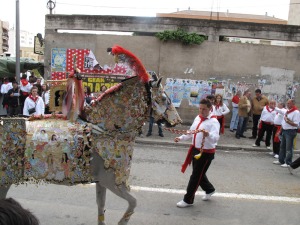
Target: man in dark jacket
14 100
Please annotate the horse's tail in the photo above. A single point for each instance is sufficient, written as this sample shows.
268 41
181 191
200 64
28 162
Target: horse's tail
133 62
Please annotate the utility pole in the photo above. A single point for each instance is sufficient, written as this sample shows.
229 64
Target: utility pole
17 42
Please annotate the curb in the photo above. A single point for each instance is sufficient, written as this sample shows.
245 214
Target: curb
219 147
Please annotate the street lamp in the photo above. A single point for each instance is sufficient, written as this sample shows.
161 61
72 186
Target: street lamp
17 42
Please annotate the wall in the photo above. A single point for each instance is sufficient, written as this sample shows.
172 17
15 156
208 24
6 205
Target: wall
244 64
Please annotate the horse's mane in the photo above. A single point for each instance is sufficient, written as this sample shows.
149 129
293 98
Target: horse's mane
133 62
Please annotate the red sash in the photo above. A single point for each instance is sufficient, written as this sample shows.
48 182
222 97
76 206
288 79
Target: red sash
189 155
277 133
291 110
33 99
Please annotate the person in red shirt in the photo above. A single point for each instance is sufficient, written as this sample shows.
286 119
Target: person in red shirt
235 109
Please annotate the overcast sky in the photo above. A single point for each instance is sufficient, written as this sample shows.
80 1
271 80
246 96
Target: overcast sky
32 12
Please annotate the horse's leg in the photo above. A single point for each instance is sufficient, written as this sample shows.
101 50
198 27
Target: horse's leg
3 191
101 196
123 192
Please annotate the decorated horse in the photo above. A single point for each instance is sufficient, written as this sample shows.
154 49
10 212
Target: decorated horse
85 143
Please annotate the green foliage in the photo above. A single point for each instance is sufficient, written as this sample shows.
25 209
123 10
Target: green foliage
182 36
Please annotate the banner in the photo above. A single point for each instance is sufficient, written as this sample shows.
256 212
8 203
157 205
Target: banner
96 81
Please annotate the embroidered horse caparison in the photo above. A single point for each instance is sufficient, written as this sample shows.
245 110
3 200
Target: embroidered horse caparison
96 147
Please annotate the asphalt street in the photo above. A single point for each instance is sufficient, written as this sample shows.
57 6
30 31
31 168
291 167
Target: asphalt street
249 190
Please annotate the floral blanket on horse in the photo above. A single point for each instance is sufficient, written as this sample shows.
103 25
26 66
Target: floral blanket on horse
54 150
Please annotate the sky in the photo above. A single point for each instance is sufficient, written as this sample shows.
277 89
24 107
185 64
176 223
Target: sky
32 12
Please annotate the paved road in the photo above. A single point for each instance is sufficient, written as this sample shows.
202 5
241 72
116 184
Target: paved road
250 190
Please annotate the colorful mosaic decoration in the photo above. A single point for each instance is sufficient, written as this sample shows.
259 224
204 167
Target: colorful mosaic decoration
50 150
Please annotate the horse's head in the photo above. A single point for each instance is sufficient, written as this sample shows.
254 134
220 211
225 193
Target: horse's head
162 106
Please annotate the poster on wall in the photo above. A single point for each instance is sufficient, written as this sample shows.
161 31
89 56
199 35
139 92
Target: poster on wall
58 59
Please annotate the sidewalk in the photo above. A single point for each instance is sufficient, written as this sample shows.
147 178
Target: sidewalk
227 140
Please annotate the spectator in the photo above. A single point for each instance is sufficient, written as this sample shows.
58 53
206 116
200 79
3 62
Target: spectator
151 122
258 103
280 112
88 95
244 109
25 88
266 124
103 89
13 94
200 156
289 131
212 99
12 213
46 97
34 104
39 86
235 111
5 87
220 111
32 78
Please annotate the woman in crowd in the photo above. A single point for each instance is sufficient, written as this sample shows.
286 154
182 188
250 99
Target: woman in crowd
88 95
220 111
46 97
34 104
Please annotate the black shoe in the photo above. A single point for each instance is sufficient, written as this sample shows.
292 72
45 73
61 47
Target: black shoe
148 135
243 136
161 135
252 137
231 130
237 136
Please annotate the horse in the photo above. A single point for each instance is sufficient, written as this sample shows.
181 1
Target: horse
95 147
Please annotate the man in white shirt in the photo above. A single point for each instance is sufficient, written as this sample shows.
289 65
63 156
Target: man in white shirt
203 145
266 124
289 131
280 112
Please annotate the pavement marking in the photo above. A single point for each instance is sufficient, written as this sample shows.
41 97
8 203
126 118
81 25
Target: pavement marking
223 195
217 194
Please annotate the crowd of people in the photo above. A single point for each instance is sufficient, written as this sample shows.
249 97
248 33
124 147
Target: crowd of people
274 123
29 97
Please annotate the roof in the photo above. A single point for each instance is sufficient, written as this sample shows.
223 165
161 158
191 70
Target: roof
194 14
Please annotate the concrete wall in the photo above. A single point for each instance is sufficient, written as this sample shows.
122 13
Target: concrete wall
294 12
278 66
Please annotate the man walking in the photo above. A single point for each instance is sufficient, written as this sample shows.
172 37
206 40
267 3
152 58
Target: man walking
289 131
206 151
258 103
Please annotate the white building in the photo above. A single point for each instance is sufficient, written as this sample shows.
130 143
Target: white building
26 39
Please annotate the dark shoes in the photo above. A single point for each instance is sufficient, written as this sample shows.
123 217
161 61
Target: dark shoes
252 137
161 135
148 135
242 136
237 136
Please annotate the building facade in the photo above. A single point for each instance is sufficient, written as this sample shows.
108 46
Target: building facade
4 36
294 13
